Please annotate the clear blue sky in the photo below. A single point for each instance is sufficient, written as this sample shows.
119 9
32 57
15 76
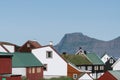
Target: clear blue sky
49 20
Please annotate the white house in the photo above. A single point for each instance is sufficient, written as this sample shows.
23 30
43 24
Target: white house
105 58
85 76
54 65
116 65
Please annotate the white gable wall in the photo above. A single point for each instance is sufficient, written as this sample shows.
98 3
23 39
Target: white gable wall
116 65
19 71
2 49
10 48
105 58
85 77
56 65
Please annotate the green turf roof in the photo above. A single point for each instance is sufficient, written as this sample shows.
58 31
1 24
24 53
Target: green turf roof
116 74
77 59
94 59
25 60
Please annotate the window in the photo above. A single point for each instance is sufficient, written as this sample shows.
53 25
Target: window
28 45
83 67
45 67
101 67
74 76
38 69
111 61
49 54
89 68
33 70
29 70
95 67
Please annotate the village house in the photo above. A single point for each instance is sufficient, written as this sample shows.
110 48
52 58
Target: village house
6 67
110 75
28 46
86 61
109 63
98 67
27 65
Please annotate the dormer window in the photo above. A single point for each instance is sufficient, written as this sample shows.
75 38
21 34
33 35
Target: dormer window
28 45
111 61
49 54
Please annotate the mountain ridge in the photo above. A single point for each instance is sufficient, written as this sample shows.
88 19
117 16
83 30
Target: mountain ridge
71 42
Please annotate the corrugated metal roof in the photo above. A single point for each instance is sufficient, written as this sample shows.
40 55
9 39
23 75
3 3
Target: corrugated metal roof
116 74
94 58
25 60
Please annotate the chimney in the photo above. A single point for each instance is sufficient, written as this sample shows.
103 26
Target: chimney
51 43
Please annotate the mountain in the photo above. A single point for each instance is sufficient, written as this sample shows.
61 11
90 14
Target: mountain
71 43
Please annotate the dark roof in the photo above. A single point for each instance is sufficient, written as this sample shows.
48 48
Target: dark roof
94 59
25 60
6 43
33 45
77 59
116 74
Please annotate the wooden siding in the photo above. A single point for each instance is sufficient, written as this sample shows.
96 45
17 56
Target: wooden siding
108 65
34 75
5 65
107 76
32 45
13 77
72 71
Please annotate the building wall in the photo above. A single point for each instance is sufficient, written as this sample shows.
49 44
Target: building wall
56 66
117 66
2 49
34 74
10 48
25 48
105 58
5 65
20 71
71 71
11 77
107 76
85 77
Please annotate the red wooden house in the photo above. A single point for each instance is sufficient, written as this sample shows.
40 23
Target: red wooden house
27 65
6 67
110 75
28 46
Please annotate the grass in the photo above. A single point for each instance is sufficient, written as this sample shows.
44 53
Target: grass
61 78
77 59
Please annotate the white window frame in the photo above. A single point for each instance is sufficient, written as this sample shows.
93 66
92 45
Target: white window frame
75 76
49 54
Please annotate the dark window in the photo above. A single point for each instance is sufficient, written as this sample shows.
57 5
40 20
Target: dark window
74 76
49 54
45 67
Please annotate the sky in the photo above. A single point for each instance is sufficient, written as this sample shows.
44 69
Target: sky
50 20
